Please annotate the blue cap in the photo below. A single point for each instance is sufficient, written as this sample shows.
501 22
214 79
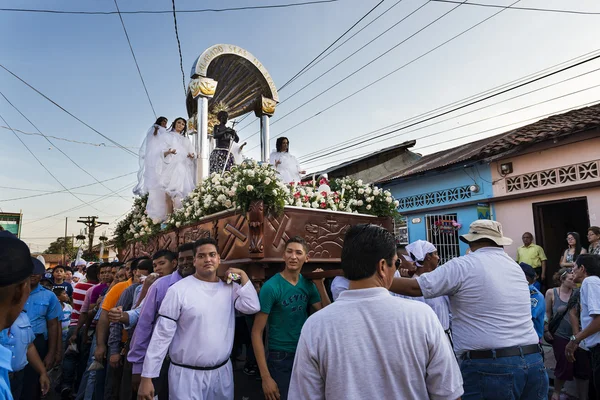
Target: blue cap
528 269
38 267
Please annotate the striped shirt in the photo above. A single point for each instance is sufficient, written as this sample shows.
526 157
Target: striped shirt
78 297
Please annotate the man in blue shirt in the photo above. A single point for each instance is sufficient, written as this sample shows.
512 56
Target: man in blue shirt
44 312
15 268
19 340
538 305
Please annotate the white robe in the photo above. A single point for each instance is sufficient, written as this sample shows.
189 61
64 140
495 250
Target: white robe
289 169
178 169
150 172
196 324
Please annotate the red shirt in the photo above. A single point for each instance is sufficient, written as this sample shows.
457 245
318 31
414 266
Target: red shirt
78 296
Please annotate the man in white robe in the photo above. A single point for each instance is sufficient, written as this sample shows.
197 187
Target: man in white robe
196 325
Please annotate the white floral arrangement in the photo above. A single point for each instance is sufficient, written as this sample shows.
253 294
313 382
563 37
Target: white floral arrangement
251 181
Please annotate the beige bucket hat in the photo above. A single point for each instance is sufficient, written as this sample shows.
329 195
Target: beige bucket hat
486 229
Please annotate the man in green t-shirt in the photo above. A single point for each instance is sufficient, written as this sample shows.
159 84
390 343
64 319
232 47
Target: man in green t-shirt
284 302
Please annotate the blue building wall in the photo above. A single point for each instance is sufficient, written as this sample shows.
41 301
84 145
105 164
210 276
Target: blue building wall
446 189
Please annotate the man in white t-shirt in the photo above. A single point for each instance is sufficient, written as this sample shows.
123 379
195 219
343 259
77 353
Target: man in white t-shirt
369 344
587 268
492 329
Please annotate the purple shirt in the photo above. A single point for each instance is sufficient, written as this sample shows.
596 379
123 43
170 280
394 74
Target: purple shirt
97 292
145 326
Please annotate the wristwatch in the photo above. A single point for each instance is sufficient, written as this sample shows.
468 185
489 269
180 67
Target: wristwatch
573 338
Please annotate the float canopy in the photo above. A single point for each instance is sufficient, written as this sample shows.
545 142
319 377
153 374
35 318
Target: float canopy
241 80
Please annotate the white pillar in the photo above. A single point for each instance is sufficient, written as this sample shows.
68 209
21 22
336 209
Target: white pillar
202 144
265 138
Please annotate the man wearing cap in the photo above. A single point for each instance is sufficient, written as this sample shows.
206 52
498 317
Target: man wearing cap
493 334
44 311
538 303
15 268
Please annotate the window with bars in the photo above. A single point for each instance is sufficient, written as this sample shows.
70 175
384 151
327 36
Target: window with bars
401 230
442 233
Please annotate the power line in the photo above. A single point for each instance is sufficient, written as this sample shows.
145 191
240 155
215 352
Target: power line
293 78
537 118
42 11
63 139
135 59
179 48
338 149
369 63
57 148
43 166
477 97
66 111
523 8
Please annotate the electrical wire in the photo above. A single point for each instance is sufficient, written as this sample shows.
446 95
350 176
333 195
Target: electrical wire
64 139
179 48
47 170
69 113
476 98
524 8
57 148
135 59
293 78
42 11
338 149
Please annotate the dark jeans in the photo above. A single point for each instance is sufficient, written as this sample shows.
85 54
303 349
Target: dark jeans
16 383
250 358
280 365
69 365
161 384
31 380
595 353
519 377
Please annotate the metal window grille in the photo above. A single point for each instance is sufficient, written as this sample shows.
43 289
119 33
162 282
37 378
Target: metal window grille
443 235
401 230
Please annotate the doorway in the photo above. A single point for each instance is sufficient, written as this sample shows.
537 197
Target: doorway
553 220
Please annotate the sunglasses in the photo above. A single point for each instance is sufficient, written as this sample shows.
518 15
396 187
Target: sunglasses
568 271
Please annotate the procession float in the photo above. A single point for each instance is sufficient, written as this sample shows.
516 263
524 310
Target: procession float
248 209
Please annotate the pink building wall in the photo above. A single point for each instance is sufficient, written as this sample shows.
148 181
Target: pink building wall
516 215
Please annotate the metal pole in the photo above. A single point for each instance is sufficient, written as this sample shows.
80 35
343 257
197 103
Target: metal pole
203 143
65 245
265 138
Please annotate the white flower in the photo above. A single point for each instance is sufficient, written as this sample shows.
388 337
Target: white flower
228 203
359 203
376 192
177 224
387 193
187 214
267 180
388 200
361 191
249 188
368 206
251 173
275 192
298 203
368 190
136 235
396 203
369 199
315 205
359 182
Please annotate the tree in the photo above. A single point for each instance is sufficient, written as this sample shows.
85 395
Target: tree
58 246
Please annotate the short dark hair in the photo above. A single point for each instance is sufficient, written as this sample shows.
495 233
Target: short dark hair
92 272
136 261
364 246
68 269
58 267
186 247
146 265
105 265
591 262
58 290
203 241
297 239
160 120
168 254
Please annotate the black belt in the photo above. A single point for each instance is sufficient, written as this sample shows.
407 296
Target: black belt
201 368
504 352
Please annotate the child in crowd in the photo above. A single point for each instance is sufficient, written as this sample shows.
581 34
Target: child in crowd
63 297
58 278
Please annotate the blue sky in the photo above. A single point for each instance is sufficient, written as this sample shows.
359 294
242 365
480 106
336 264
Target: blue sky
84 63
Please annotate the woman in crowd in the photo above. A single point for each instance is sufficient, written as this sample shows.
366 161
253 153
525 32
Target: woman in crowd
222 158
178 169
573 251
285 163
150 171
556 305
593 236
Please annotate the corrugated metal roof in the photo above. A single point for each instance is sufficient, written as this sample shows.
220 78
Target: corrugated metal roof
552 127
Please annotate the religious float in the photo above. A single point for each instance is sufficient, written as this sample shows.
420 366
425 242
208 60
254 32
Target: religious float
248 210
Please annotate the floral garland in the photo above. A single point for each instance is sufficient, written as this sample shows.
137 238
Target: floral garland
252 181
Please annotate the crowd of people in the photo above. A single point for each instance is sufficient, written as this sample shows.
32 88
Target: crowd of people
165 327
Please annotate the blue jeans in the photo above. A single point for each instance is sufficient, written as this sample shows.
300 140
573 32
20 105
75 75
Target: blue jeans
505 378
92 382
280 365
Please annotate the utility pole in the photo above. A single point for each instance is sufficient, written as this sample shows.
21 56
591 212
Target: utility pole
92 224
